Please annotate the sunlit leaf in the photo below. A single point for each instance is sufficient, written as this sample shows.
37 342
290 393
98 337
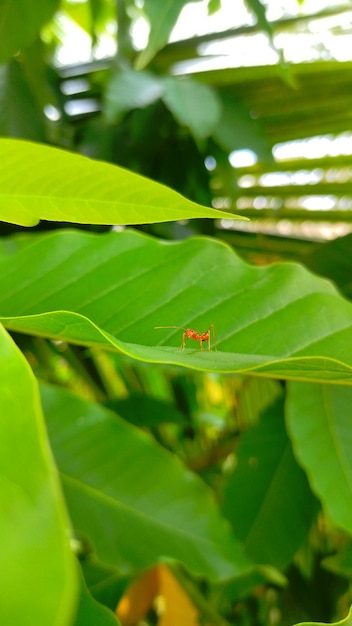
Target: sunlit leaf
34 529
112 290
39 182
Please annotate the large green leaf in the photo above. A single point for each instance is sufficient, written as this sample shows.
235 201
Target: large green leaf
319 421
39 182
135 501
37 571
275 520
20 22
111 290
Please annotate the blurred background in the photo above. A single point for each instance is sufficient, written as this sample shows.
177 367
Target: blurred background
240 105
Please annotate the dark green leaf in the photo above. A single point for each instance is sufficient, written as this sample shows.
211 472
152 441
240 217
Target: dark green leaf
267 497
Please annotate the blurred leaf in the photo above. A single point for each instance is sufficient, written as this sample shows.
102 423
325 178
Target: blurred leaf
111 290
162 19
275 520
20 115
237 130
92 613
258 9
21 21
38 182
177 607
134 501
341 562
213 6
318 419
144 411
34 529
333 260
131 90
193 105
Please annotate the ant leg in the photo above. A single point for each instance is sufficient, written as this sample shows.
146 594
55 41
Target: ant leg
214 336
201 345
183 342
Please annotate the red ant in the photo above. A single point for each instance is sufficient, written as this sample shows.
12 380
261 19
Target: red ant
194 334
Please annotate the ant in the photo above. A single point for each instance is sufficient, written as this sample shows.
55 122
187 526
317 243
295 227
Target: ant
194 334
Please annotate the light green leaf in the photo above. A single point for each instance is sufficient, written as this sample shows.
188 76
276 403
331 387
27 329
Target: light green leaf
193 104
39 182
135 501
112 290
20 22
275 520
318 418
131 90
34 529
162 18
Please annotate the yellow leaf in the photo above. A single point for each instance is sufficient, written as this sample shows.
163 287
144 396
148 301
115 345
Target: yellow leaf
159 588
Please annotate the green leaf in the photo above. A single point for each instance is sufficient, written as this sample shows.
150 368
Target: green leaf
318 418
111 290
131 90
162 19
20 115
193 105
92 613
20 22
344 622
135 501
38 182
142 410
259 11
333 260
34 529
275 520
237 130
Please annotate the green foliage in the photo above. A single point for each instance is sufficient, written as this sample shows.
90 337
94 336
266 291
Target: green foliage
230 466
34 525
